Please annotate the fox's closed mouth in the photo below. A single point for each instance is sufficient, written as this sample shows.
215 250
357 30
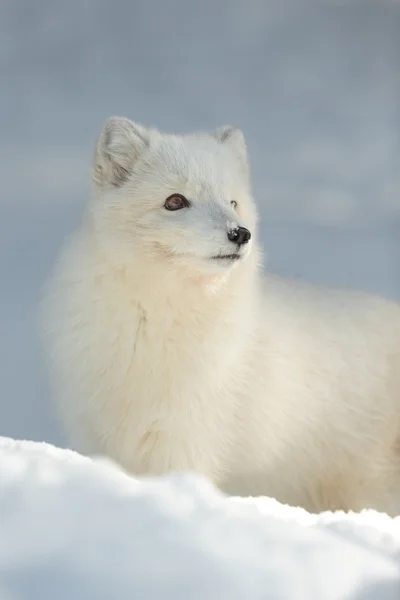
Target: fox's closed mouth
226 257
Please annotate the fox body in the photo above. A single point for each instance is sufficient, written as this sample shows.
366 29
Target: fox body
169 349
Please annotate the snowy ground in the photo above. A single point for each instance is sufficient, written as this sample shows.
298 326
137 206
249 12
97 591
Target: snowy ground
75 528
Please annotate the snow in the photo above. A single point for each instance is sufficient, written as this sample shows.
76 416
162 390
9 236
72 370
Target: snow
73 527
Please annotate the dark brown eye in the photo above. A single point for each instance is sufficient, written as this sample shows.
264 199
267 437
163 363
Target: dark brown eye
176 202
234 204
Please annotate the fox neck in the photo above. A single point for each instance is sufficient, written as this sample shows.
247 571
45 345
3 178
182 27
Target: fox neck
164 295
160 289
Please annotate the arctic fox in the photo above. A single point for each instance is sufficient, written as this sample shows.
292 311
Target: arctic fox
169 350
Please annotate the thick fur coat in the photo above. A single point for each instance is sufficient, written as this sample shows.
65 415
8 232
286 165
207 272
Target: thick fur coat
168 349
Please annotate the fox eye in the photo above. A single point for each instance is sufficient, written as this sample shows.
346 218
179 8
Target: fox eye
234 204
176 202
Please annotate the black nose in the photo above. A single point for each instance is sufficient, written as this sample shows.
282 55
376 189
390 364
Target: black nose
240 236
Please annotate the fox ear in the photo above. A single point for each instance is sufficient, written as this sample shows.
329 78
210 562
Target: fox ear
119 145
234 138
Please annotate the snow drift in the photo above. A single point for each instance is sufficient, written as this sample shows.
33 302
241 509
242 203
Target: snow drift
72 527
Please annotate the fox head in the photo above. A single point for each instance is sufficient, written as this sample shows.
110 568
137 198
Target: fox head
184 200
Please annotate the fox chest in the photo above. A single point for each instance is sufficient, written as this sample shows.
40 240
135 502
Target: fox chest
155 390
158 367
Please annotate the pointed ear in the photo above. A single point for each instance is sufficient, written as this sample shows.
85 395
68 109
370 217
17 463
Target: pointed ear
118 147
234 138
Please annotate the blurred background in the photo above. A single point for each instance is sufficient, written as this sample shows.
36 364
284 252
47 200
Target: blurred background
315 85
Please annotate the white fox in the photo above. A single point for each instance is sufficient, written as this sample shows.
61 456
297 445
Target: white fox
169 350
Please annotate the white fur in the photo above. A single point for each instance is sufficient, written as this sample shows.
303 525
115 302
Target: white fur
166 359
